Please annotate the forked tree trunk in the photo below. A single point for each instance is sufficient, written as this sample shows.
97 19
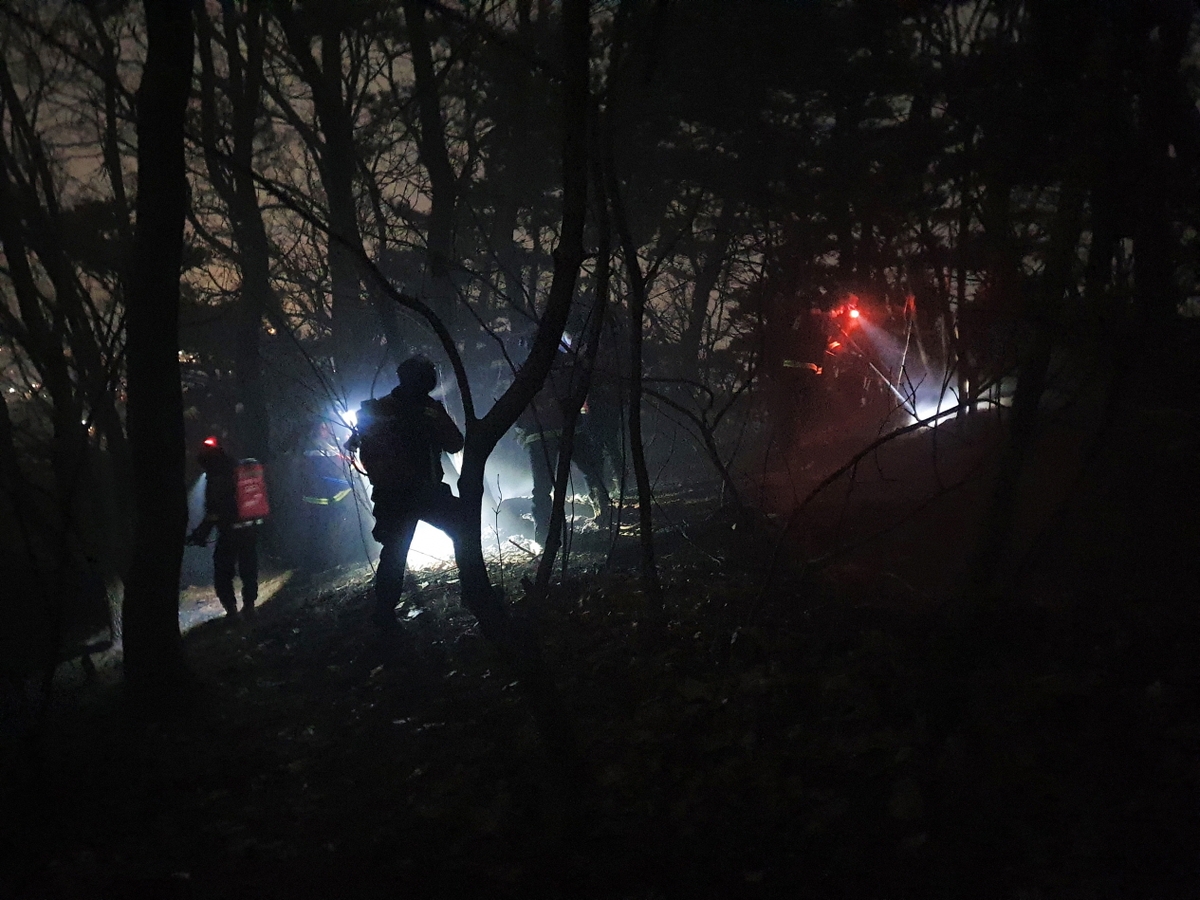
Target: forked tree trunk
579 393
483 434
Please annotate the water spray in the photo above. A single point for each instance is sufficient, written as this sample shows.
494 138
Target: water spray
909 403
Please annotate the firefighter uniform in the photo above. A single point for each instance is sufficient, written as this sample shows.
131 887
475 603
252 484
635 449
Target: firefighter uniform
328 497
540 430
236 551
400 439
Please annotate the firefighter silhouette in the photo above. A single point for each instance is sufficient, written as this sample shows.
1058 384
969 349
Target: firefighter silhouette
792 364
234 504
540 430
328 497
400 439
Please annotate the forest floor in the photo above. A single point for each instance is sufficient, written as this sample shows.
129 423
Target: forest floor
851 727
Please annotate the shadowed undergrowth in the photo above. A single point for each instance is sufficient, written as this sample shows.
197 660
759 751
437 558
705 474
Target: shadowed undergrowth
820 735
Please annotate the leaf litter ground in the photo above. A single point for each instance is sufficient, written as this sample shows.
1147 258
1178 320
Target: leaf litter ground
777 729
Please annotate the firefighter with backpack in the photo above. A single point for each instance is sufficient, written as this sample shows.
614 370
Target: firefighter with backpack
235 504
399 440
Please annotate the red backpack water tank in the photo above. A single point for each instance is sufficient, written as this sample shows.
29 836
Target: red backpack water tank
251 490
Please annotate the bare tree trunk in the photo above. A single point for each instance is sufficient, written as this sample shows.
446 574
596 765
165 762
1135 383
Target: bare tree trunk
637 299
44 330
234 181
351 324
41 337
965 361
58 336
431 141
440 288
637 313
706 281
1166 125
155 671
387 256
254 424
579 391
12 482
337 161
995 548
483 434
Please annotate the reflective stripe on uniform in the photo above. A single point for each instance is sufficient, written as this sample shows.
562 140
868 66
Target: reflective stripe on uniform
326 501
531 437
796 364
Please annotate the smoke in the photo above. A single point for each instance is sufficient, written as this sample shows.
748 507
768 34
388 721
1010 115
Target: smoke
196 501
935 403
429 547
923 393
508 481
197 561
508 485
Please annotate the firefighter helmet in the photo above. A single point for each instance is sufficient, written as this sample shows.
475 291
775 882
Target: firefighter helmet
418 375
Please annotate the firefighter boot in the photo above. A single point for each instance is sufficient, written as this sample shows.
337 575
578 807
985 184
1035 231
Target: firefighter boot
602 505
228 600
249 599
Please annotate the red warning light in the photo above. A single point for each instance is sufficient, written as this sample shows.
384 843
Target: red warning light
210 442
847 313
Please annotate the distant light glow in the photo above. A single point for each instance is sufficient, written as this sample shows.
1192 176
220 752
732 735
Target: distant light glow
934 407
196 501
349 417
929 411
429 547
210 442
854 314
